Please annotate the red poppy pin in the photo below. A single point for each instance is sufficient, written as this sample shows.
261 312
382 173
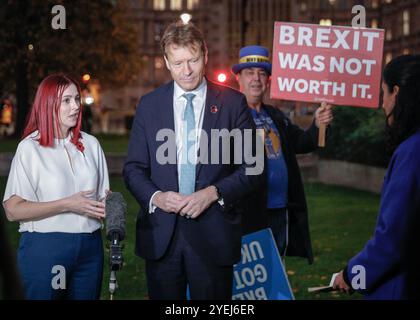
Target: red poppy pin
213 109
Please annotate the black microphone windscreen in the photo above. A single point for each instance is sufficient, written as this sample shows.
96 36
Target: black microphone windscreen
115 210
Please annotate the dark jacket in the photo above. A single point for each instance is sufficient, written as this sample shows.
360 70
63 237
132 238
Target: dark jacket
294 141
216 233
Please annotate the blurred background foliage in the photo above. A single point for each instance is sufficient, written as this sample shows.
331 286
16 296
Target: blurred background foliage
358 135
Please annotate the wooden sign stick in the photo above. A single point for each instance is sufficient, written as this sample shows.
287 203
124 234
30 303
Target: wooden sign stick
321 135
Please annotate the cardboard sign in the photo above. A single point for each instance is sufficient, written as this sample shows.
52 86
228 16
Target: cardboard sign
260 274
339 65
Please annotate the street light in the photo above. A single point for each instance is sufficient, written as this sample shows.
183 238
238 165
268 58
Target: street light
185 17
325 22
86 78
222 77
89 100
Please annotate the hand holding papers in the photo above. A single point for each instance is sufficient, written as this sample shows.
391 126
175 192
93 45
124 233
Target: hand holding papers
325 288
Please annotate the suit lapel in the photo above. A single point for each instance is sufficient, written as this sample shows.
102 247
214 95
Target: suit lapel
167 108
212 111
167 121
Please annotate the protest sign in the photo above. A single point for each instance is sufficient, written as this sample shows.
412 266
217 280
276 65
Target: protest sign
260 274
338 65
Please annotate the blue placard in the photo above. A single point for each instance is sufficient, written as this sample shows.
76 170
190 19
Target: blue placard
260 275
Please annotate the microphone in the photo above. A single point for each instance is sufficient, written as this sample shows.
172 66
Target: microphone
115 210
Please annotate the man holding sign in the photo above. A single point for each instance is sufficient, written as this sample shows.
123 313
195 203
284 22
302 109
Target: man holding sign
282 204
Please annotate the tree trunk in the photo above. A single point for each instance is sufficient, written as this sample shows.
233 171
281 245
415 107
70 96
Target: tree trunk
21 75
21 95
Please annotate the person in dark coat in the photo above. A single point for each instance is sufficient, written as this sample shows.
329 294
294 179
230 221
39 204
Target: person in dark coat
387 267
281 204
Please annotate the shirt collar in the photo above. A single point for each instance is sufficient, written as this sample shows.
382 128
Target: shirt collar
62 141
200 91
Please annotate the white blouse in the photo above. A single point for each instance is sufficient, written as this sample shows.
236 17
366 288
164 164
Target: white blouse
42 174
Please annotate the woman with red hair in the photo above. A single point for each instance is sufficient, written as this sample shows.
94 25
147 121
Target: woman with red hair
56 186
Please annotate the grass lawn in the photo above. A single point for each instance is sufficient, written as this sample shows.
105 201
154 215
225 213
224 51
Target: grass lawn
341 221
109 143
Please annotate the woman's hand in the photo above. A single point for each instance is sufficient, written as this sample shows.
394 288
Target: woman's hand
80 203
340 284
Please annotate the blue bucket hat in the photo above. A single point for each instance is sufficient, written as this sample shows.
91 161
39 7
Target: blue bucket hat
253 57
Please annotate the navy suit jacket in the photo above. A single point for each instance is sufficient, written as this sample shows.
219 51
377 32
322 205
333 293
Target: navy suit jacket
216 233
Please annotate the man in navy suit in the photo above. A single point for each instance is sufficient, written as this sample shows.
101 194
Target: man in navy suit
189 228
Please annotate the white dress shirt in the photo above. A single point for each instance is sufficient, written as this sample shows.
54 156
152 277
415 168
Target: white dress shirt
42 174
179 105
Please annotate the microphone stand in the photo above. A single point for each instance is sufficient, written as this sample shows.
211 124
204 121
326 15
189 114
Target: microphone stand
115 263
113 284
